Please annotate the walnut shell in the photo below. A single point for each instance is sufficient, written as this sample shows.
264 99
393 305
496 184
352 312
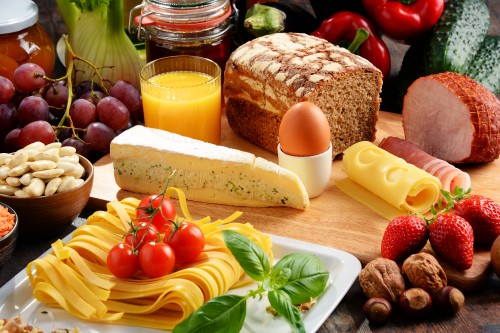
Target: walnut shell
423 271
381 277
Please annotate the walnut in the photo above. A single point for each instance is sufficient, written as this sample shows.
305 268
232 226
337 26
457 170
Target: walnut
382 278
423 270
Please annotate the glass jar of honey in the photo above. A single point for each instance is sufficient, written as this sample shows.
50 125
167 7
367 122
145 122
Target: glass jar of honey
22 38
185 27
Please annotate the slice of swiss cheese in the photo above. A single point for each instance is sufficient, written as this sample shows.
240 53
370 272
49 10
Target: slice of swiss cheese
386 183
144 158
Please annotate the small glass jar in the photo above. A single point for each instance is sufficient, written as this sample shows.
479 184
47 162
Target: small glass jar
22 39
189 27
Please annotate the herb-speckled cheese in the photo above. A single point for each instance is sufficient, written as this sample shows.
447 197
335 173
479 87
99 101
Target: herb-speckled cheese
144 158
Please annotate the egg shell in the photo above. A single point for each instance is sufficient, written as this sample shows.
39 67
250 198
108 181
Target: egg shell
304 130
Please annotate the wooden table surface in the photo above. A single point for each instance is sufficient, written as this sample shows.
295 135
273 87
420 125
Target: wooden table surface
482 307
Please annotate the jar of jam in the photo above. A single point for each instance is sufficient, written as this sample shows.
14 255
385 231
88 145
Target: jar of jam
22 38
185 27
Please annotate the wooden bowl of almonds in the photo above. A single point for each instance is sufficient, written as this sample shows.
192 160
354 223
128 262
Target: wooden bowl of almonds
47 185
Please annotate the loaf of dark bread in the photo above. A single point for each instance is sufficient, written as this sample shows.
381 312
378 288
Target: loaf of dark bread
266 76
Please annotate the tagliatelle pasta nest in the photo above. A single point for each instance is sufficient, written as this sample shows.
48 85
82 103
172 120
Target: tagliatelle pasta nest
75 275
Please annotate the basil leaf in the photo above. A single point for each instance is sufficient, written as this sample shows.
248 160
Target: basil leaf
282 303
308 278
224 314
249 255
277 279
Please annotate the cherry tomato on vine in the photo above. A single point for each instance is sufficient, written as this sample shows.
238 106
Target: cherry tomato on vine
122 261
140 234
186 239
156 259
151 204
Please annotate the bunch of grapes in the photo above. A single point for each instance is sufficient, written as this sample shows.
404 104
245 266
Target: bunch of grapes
35 108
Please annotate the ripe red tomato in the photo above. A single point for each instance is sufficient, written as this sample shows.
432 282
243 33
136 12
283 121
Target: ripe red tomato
122 261
150 205
187 241
156 259
140 234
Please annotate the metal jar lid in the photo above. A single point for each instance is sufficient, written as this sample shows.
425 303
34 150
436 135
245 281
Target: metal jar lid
16 15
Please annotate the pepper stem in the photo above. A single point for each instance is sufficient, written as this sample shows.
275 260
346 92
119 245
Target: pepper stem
361 35
407 2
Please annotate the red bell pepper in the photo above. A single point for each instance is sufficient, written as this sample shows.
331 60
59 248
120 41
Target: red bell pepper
404 20
343 26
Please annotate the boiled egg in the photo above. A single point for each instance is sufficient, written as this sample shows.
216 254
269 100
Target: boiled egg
304 130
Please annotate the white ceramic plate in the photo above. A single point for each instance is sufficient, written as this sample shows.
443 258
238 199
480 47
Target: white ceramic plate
16 297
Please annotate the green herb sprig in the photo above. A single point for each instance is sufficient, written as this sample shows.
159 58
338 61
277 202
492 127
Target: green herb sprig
295 279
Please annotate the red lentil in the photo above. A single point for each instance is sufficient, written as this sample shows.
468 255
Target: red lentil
6 221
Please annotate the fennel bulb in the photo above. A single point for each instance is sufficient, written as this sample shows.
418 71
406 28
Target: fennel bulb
96 34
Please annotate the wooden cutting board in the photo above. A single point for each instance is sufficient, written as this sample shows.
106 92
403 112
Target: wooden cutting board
333 219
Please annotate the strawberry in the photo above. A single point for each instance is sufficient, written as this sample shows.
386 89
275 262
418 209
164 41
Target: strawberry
483 214
452 239
403 236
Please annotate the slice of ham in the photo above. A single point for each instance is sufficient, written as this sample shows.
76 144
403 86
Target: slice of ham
449 175
453 118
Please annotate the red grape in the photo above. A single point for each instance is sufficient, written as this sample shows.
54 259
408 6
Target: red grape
7 90
81 147
82 113
64 133
8 118
86 86
57 98
11 140
99 136
113 113
126 93
39 130
28 77
32 108
93 96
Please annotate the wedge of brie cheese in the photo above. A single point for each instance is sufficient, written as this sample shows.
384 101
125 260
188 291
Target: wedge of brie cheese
144 158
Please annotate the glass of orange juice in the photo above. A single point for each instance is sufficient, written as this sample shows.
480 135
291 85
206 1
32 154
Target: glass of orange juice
182 94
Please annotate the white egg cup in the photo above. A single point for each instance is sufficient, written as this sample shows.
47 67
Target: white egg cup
314 171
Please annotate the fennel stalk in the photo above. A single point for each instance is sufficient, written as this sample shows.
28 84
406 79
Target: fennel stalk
96 33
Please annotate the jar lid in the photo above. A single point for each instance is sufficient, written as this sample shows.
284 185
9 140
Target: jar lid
17 15
188 14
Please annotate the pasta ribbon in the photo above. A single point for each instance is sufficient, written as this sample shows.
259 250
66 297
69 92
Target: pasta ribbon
75 276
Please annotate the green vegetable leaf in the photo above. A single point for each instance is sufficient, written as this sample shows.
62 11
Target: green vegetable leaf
277 279
222 314
282 303
249 255
308 278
